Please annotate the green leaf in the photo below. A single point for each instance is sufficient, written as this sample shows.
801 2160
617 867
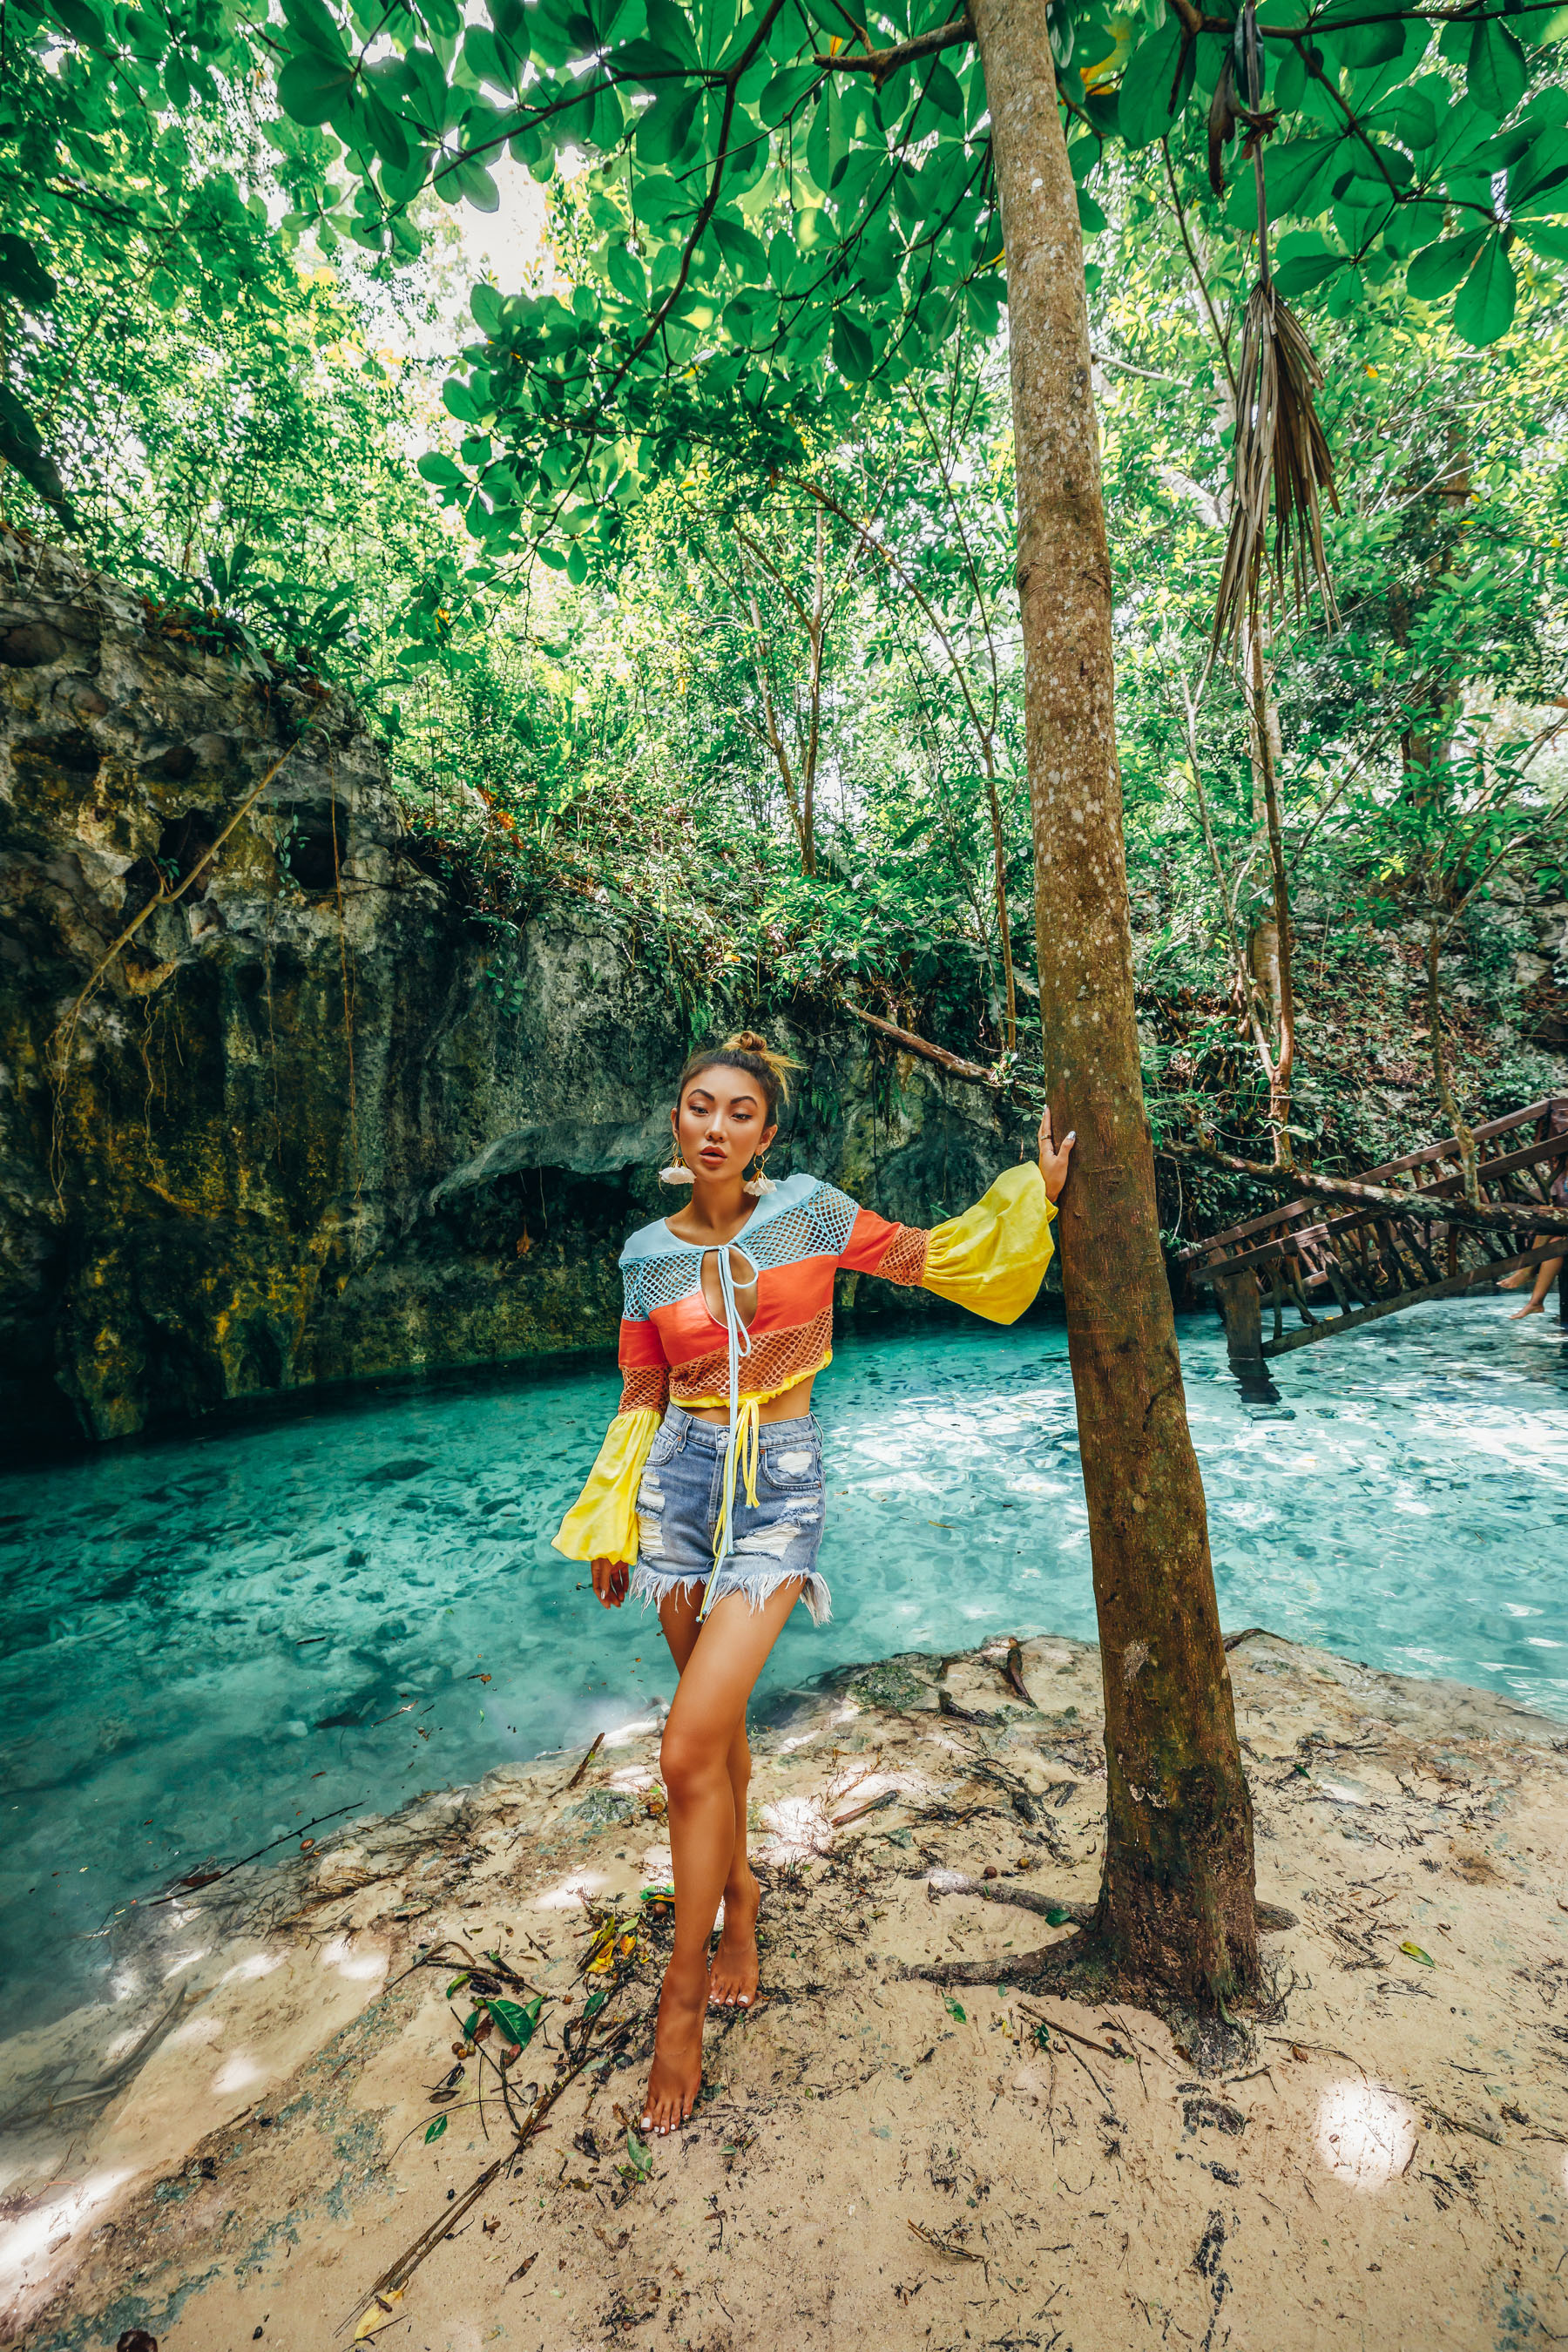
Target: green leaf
659 200
745 253
438 468
626 272
1483 309
315 25
670 28
470 2024
311 91
459 1982
1410 226
642 2162
1090 217
473 184
1435 271
488 308
852 351
82 23
576 566
1055 1916
1414 1952
1297 276
943 92
786 92
22 273
1548 238
956 2008
596 2002
386 132
1361 45
515 2021
436 2130
1299 171
1144 111
1495 71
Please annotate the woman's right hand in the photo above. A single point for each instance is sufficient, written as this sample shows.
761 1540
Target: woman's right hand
611 1581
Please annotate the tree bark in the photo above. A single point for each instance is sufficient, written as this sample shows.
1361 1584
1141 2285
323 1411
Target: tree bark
1446 1093
1176 1899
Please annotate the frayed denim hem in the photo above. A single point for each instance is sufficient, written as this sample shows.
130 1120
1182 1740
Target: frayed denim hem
653 1586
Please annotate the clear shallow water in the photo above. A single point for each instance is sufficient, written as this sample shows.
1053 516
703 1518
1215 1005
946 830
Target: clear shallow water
209 1642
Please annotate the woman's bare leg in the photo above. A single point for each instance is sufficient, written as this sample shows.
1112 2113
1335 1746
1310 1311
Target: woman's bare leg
727 1654
1545 1275
732 1979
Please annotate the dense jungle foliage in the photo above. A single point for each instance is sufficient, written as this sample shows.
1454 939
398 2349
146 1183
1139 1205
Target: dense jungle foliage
767 710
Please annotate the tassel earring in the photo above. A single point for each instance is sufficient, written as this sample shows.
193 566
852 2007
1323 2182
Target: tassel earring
677 1172
759 1183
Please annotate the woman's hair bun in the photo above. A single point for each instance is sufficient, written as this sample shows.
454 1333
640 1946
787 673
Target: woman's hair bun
749 1051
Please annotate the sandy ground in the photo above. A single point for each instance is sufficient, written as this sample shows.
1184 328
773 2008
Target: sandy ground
1375 2156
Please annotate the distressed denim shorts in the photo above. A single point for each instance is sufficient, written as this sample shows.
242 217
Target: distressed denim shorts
680 1500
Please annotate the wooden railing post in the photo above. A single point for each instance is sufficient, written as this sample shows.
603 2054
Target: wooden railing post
1241 1304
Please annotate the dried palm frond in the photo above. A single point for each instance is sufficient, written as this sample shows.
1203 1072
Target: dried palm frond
1283 460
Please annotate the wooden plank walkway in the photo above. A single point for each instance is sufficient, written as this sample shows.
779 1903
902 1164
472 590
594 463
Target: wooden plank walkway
1338 1271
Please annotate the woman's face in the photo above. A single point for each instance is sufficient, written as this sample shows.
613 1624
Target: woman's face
721 1122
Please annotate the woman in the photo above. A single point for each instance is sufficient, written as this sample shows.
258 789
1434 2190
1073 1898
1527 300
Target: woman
707 1497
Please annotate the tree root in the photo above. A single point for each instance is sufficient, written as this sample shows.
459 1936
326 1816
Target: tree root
1272 1921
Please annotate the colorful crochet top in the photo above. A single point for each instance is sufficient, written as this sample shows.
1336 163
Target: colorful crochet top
674 1350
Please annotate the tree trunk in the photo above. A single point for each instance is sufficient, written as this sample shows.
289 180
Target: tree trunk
1176 1900
1445 1095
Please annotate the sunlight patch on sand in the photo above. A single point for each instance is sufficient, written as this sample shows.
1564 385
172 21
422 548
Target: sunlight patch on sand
237 2073
567 1893
44 2230
1366 2133
358 1967
259 1964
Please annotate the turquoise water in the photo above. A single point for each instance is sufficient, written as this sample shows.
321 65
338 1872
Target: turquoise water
209 1642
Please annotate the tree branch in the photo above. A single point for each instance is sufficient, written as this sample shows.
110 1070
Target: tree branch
955 1063
880 63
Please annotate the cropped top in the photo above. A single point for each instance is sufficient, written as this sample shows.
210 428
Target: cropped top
673 1349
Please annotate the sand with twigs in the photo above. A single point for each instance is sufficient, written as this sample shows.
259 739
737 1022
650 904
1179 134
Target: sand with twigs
1374 2156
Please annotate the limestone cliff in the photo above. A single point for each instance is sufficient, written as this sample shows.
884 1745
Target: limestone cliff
311 1123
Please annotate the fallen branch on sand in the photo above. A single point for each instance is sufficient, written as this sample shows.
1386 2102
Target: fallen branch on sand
1272 1921
525 2128
1053 1907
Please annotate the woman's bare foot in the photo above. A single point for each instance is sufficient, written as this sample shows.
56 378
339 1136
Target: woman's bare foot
1531 1307
676 2077
1517 1280
732 1981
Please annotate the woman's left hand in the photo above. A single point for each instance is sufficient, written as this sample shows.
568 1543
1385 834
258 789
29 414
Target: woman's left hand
1054 1163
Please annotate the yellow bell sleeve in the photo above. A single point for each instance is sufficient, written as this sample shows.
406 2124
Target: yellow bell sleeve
993 1259
603 1522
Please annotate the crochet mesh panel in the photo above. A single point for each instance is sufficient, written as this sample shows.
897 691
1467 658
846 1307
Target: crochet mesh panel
646 1385
906 1258
778 1358
818 1226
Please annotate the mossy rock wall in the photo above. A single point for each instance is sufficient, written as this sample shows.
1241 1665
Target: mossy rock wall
311 1123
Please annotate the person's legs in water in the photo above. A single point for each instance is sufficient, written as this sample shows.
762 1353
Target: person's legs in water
726 1653
732 1979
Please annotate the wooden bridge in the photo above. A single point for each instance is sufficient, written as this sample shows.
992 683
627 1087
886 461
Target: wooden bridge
1339 1269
